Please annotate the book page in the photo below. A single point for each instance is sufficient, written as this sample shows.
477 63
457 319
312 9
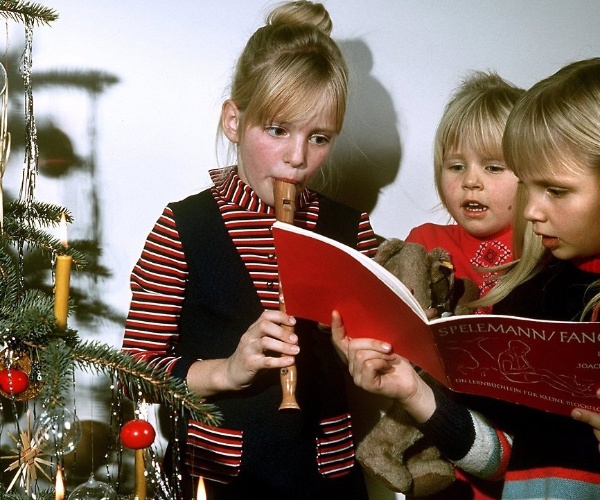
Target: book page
318 276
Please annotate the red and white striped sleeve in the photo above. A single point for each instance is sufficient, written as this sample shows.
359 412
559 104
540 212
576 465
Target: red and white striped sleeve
158 285
367 241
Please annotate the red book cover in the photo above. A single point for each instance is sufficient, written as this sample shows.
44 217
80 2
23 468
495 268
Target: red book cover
548 365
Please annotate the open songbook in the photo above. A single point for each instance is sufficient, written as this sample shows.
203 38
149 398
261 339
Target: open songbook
548 365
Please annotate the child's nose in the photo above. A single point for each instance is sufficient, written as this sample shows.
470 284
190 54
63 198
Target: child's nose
532 211
295 153
472 181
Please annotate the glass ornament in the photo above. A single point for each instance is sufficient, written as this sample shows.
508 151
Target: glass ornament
57 431
93 490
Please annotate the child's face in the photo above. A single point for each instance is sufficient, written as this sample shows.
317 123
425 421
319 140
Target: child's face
478 192
565 209
292 151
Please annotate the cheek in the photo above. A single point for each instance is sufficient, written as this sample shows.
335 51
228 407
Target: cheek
451 188
316 161
505 196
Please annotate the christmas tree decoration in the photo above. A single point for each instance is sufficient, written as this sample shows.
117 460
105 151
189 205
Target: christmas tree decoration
13 381
28 460
137 434
18 369
62 279
57 431
93 490
59 485
4 136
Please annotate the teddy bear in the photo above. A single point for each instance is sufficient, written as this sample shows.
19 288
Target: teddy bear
394 451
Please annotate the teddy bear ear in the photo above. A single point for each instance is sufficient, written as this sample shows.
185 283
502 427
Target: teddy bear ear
440 254
387 249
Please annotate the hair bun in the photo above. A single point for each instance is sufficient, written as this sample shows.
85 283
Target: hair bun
301 12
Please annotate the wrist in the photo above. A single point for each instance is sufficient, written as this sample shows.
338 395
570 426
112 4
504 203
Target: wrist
422 403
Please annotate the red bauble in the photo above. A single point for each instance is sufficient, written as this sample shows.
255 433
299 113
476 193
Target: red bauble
137 434
13 381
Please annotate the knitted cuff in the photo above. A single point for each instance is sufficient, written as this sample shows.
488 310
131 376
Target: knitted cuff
450 427
182 366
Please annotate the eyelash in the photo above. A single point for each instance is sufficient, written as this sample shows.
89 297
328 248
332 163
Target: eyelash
556 192
317 139
495 169
320 139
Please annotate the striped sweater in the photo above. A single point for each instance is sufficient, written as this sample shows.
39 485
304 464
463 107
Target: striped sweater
540 455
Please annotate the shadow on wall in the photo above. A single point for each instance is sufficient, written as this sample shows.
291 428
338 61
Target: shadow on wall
366 157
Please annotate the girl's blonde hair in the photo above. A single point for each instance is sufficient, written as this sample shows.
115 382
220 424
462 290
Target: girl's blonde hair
290 67
555 125
474 117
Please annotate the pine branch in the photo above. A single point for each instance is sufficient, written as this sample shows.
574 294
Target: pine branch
57 367
9 282
22 226
43 213
30 320
136 376
21 12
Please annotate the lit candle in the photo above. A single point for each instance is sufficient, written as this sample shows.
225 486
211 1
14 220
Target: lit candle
60 485
201 490
140 476
62 279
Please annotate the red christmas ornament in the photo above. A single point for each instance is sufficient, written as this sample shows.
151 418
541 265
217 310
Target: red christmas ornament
13 381
137 434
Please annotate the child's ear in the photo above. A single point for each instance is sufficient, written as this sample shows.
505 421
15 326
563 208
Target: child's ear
230 121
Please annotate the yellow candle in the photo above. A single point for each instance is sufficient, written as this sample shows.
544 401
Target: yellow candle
140 476
62 280
61 289
60 485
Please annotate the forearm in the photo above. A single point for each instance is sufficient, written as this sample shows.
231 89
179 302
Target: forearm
466 438
209 377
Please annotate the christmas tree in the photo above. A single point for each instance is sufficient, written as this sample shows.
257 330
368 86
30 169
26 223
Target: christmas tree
40 354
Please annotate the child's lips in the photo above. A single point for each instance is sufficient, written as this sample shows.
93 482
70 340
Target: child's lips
474 208
550 242
474 205
289 181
